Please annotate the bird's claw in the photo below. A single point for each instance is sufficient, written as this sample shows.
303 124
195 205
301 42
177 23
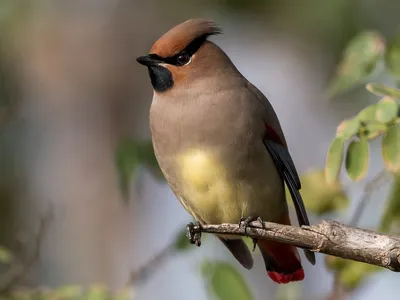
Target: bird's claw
245 223
193 235
254 244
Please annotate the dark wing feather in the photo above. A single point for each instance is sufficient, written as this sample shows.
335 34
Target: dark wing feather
286 168
240 251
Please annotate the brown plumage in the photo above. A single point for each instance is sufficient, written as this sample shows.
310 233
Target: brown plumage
176 39
219 143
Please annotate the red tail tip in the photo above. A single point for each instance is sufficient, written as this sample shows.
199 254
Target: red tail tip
286 278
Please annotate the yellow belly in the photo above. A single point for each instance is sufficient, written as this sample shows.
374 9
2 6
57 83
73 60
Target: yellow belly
207 188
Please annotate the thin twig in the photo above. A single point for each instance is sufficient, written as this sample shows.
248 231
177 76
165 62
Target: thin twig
19 268
142 274
338 292
375 183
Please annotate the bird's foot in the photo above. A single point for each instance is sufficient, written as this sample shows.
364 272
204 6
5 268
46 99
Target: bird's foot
193 235
245 223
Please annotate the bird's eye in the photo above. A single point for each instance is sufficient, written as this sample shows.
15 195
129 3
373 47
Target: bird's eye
183 59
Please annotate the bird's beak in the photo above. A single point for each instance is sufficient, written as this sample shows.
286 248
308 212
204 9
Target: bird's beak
147 60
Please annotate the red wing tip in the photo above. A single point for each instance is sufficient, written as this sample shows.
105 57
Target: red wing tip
286 278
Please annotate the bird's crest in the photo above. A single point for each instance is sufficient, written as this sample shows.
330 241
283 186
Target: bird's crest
180 36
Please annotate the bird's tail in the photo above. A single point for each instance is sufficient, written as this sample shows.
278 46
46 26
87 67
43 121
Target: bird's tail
281 261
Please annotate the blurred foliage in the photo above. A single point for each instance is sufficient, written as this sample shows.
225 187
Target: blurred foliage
390 221
350 273
291 291
321 197
130 155
360 59
94 292
6 255
372 122
181 242
383 90
379 120
224 281
392 57
13 16
391 149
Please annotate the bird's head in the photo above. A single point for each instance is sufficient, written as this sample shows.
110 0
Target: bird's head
183 55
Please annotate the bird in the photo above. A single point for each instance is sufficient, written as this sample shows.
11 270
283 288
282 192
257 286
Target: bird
220 145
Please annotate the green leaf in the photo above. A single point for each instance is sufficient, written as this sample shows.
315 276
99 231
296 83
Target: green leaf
391 149
181 242
383 90
148 159
348 128
127 160
374 129
357 159
334 160
129 155
6 256
392 57
386 110
367 114
146 153
358 62
391 216
319 196
225 282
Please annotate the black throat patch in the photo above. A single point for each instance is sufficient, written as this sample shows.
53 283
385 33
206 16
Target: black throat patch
161 78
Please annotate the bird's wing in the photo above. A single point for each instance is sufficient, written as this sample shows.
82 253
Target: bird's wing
275 143
285 166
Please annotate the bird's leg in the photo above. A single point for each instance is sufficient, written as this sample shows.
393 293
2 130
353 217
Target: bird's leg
193 236
245 222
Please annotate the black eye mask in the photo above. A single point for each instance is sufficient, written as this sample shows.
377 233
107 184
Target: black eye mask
183 57
161 78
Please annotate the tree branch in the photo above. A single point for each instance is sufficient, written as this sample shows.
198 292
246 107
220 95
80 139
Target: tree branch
328 237
151 266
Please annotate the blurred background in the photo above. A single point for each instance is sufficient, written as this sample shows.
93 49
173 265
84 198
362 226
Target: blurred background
82 202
